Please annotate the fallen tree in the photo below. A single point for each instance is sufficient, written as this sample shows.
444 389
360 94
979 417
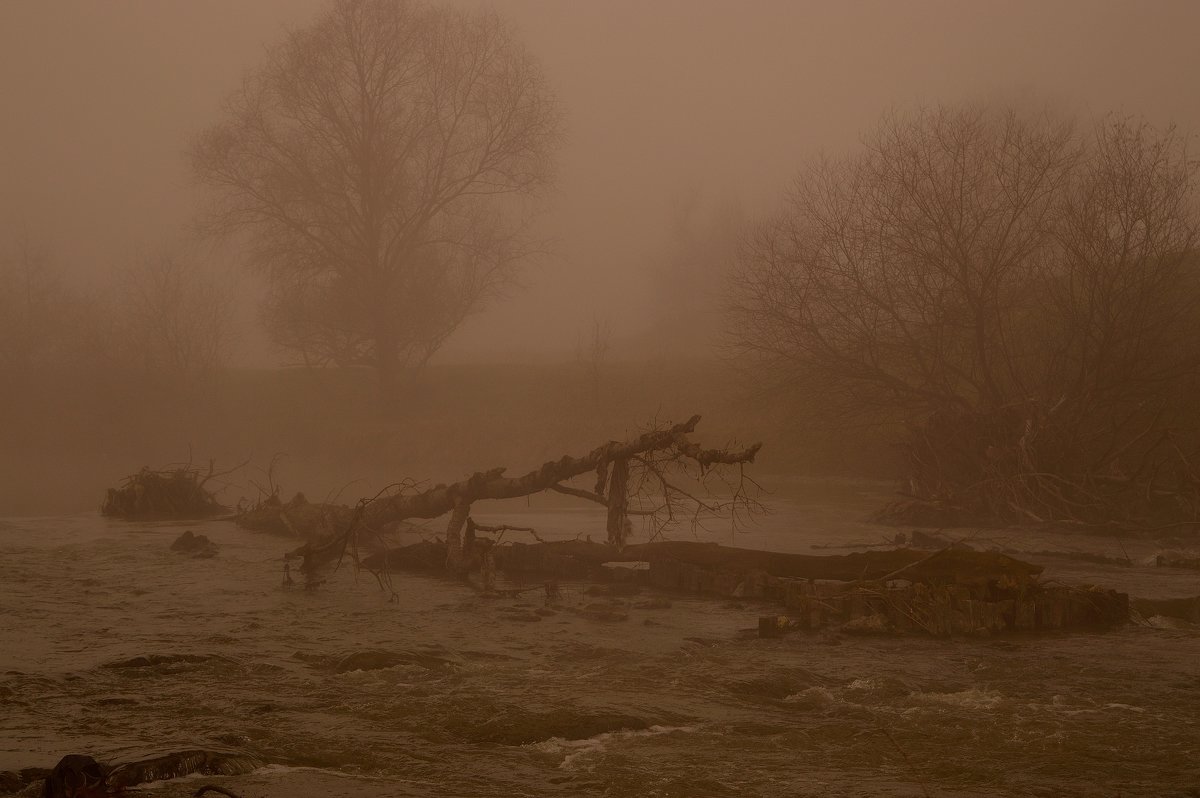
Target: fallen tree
643 477
951 590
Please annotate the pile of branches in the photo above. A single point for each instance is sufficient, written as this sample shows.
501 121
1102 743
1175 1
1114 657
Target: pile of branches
174 492
1019 464
297 518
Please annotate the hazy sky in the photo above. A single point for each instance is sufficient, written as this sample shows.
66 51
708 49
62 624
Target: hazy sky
661 96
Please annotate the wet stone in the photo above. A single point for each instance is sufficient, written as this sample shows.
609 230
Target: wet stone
198 546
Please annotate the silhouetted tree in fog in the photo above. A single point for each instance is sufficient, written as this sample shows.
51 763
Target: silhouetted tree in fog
30 301
690 278
378 161
46 324
173 320
1021 294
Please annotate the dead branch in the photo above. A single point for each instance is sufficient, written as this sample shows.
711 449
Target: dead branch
609 461
581 494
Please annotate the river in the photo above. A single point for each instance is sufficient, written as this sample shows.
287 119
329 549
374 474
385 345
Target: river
485 700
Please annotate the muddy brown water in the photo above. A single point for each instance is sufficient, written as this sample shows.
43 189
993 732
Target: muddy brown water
481 700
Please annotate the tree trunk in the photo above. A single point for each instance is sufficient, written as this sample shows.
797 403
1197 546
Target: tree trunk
454 543
618 502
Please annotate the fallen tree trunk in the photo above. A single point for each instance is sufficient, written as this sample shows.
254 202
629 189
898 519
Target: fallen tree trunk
947 566
947 592
560 558
670 443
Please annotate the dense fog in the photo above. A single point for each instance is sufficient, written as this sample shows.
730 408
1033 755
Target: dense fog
582 397
663 102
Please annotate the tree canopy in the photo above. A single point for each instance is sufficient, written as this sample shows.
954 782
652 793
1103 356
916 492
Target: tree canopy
377 163
1020 291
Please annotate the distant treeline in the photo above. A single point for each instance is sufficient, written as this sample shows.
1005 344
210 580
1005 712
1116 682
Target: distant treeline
67 435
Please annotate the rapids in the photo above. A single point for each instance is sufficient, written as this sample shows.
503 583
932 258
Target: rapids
115 646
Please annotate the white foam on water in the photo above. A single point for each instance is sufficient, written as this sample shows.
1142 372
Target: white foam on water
973 698
1167 622
577 749
813 696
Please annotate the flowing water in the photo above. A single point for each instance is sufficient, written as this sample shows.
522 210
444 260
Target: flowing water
487 698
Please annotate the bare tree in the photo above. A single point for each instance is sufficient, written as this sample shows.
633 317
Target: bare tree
173 320
33 303
1022 295
377 161
688 280
592 351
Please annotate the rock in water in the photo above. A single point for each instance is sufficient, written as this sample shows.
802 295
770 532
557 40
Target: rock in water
76 776
194 545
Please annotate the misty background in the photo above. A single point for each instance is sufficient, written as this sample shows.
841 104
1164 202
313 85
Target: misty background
683 120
